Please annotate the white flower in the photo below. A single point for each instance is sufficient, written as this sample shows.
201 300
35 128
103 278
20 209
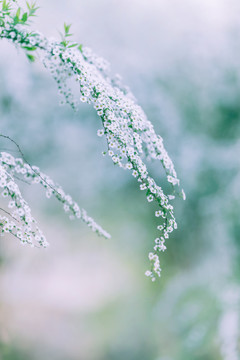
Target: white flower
129 166
11 204
149 198
151 256
66 207
158 213
5 192
143 186
100 132
148 273
115 159
83 98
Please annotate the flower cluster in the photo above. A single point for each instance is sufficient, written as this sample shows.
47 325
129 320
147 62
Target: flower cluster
22 225
130 135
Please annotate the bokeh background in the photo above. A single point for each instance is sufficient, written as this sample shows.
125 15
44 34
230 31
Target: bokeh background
85 298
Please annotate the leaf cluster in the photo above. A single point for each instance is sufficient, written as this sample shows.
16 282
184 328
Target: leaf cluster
5 10
22 19
65 42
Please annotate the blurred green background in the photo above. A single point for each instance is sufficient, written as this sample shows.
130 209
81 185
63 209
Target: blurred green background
85 298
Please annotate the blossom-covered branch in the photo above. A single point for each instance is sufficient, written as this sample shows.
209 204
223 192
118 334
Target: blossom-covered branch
130 135
22 224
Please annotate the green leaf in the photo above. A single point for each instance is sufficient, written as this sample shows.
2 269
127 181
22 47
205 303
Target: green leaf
32 8
29 48
72 45
16 19
67 28
31 57
80 48
5 6
64 43
18 13
25 17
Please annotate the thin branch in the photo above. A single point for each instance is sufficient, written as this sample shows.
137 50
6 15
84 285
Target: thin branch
8 213
4 149
22 180
23 157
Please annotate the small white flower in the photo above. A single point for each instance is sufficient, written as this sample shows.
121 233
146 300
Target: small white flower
129 166
5 193
115 159
149 198
151 256
11 204
66 207
158 213
100 132
148 273
162 247
83 98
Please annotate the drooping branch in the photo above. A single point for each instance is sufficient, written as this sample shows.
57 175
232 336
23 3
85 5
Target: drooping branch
130 135
9 166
